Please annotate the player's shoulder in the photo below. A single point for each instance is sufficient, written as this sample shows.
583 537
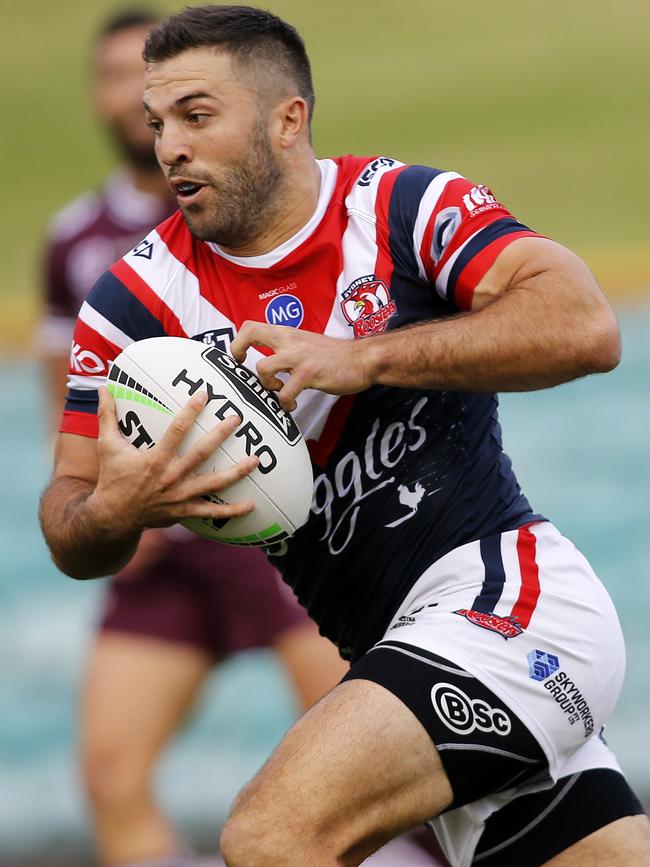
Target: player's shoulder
372 183
75 218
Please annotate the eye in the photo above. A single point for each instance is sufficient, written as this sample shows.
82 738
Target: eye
155 125
196 117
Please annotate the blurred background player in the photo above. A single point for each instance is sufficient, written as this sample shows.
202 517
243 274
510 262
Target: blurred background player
182 603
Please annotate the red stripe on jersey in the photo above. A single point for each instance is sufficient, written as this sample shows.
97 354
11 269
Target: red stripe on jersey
480 264
529 592
384 262
145 294
321 449
84 424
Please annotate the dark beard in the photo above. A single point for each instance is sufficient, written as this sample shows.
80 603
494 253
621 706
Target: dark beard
248 197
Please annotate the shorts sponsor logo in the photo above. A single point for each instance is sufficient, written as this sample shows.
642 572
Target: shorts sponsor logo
370 171
506 627
541 664
367 306
409 619
464 715
545 667
285 310
85 361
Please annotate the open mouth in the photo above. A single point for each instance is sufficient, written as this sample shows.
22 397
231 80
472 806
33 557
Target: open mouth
187 191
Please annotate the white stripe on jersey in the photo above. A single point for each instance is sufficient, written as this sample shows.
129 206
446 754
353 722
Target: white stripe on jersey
177 287
103 326
441 280
428 204
512 571
85 383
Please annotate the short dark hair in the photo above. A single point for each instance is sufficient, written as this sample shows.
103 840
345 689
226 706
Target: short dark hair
244 31
126 19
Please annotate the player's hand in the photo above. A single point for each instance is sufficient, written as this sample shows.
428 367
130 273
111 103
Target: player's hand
157 487
312 361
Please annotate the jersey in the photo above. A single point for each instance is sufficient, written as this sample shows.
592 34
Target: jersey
401 476
83 240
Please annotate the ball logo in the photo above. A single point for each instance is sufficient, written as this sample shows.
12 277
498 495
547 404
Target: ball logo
285 310
464 715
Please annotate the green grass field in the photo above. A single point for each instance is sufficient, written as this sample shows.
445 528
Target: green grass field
546 103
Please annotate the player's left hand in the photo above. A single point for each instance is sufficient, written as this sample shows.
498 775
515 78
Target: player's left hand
312 361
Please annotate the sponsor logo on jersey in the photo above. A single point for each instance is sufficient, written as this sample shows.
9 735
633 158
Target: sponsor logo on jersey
221 338
279 290
444 228
506 627
284 310
464 715
367 306
85 361
370 171
144 249
254 394
480 199
545 668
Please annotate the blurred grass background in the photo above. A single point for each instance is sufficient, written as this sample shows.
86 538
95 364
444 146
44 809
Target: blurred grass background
545 103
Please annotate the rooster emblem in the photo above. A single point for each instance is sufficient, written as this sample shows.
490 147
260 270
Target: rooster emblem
411 499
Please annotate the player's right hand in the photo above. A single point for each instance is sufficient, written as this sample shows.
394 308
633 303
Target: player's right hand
158 487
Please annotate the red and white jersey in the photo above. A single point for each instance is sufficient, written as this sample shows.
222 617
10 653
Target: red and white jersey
401 475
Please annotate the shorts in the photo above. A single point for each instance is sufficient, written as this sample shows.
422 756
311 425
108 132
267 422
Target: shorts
509 652
201 593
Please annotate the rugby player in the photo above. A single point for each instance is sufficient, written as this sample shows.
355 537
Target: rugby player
182 603
386 304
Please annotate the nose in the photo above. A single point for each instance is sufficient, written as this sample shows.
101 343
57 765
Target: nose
172 147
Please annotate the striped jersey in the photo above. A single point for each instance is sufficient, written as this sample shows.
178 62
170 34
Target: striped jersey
401 476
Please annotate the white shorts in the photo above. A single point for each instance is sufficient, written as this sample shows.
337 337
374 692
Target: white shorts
509 651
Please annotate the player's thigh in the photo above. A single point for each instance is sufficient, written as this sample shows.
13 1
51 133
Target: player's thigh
312 662
355 771
623 843
136 692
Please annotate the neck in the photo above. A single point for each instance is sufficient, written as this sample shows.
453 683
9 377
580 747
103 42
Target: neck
295 210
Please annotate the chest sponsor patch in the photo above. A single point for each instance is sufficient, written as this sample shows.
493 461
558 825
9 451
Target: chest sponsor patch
367 306
285 310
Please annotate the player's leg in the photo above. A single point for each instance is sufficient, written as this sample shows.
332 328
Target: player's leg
357 770
624 842
136 693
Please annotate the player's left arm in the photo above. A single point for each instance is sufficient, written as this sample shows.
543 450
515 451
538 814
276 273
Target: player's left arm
538 318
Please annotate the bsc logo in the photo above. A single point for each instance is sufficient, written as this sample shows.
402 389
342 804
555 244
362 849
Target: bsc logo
463 715
284 310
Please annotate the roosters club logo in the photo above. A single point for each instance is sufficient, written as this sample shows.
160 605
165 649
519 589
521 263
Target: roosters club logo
367 306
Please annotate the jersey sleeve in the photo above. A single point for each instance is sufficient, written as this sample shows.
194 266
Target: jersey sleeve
450 229
121 308
60 304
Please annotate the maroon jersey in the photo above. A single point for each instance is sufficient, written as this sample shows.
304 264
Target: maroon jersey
84 238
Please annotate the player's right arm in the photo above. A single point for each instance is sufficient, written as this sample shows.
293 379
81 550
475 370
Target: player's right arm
105 492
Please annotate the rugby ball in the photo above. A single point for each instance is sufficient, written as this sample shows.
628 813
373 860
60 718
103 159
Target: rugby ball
151 380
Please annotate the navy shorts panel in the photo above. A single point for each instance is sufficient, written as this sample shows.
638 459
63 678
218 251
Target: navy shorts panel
216 597
483 745
534 828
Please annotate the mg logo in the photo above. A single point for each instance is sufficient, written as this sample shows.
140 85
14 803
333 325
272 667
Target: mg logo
284 310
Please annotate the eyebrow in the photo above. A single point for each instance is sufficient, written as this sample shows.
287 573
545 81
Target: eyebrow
198 94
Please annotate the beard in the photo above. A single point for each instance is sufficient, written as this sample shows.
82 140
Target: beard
244 198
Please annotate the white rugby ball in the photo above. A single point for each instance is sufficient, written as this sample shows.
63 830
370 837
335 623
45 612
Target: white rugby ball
151 380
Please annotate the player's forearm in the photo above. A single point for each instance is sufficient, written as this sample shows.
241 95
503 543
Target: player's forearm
530 337
82 544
